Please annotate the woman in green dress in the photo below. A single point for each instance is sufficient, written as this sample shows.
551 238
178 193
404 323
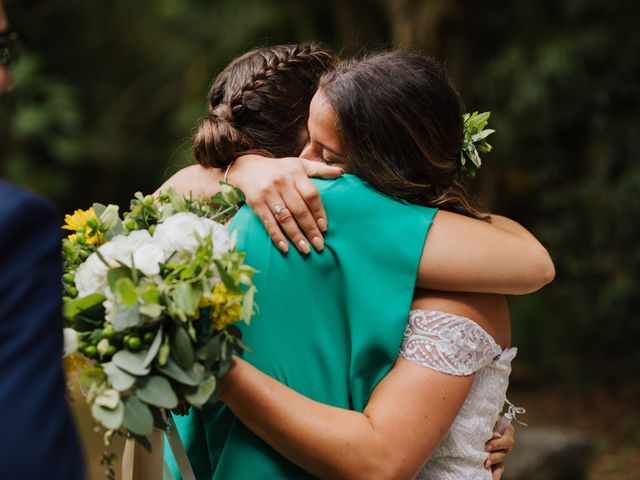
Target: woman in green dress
331 323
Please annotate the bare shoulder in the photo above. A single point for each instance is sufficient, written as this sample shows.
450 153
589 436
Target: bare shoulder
490 311
194 180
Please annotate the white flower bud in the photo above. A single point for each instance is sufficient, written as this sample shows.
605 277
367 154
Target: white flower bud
70 341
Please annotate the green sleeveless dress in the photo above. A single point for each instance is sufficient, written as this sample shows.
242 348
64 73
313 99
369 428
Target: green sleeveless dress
330 325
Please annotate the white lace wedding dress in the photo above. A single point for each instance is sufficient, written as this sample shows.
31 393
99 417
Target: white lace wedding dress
459 346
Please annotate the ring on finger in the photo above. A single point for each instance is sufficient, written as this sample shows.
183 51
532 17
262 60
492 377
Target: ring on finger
278 209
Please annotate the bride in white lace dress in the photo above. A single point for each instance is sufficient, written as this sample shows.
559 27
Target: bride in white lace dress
457 345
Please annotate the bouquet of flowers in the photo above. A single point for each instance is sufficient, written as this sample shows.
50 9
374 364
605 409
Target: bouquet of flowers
150 304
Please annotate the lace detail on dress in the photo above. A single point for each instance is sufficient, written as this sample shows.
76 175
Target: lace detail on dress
447 343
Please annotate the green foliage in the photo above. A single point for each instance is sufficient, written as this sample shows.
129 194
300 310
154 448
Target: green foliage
475 141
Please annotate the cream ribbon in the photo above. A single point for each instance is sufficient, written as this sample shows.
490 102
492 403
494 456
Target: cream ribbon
138 464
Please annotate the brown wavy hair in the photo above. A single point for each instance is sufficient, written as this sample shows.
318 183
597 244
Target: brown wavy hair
260 104
401 126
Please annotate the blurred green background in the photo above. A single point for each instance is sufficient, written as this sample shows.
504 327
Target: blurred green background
107 94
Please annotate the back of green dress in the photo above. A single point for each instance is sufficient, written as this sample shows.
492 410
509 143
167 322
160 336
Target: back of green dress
329 325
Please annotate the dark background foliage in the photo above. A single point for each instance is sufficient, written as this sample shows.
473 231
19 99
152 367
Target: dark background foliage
107 93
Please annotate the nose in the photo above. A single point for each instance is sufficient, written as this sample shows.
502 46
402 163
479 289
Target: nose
307 152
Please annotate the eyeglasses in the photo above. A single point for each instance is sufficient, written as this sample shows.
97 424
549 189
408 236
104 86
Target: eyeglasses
9 48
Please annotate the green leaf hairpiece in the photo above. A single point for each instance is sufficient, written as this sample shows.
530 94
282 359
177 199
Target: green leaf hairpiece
475 141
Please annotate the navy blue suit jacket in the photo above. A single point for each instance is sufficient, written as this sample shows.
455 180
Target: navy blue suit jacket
37 435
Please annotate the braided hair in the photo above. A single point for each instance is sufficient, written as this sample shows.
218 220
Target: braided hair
260 104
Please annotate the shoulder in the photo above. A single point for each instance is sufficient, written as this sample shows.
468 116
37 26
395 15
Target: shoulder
18 207
26 220
14 199
194 180
353 196
447 343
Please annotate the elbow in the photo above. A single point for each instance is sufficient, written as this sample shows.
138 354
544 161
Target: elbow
543 273
379 466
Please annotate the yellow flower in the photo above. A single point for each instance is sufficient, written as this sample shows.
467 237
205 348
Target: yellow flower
74 362
79 220
226 306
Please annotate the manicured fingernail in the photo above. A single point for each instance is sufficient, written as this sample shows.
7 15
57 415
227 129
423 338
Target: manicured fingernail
487 448
304 247
497 435
283 246
487 464
318 243
322 225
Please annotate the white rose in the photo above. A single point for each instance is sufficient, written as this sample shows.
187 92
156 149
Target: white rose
91 276
122 247
183 232
70 341
220 236
148 258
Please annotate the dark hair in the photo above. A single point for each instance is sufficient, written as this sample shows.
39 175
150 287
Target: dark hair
260 104
401 126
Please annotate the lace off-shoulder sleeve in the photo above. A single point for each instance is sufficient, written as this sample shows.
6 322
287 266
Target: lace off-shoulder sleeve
447 343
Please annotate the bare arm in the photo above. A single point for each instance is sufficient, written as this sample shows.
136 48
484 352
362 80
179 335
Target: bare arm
464 254
461 253
407 414
402 423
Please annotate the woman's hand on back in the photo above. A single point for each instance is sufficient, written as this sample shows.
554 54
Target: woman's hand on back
269 183
280 193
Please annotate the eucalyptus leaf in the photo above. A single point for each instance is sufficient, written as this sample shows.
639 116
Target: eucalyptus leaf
151 310
212 351
154 348
132 362
182 348
187 377
125 317
137 416
108 398
156 390
202 394
110 418
188 297
118 378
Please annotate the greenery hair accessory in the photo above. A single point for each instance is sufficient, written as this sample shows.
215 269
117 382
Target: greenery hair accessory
475 141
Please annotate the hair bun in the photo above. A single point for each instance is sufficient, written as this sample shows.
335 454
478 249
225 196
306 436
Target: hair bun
217 140
223 112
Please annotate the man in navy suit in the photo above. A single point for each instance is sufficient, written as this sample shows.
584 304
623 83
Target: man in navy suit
37 435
